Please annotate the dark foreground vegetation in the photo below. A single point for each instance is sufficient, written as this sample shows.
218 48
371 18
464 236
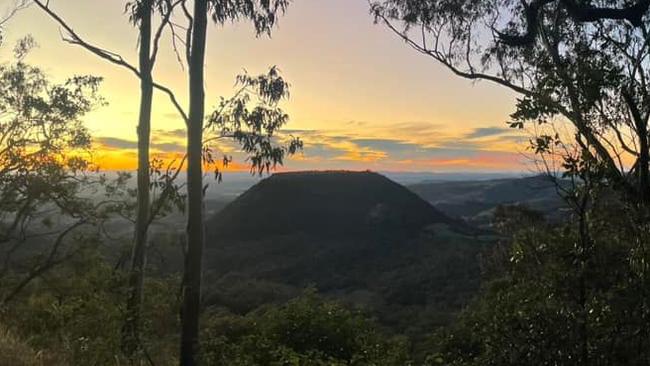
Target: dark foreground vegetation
301 299
336 268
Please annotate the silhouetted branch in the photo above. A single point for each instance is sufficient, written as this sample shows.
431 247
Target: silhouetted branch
18 6
579 13
440 57
75 39
161 27
50 262
168 189
176 38
188 32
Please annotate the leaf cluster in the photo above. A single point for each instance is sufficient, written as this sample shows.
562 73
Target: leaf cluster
306 331
252 119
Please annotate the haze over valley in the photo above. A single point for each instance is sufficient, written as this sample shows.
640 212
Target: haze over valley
324 182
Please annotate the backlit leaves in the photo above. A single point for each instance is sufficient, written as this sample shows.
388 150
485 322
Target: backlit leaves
252 119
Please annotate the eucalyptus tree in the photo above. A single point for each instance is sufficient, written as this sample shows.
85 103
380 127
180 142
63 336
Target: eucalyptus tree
141 12
141 15
256 141
252 128
44 166
585 62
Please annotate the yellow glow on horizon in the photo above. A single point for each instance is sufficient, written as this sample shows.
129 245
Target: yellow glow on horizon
344 88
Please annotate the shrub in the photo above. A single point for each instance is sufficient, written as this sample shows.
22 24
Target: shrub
306 331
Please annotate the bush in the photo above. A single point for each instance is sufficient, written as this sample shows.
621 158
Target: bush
307 331
77 311
576 294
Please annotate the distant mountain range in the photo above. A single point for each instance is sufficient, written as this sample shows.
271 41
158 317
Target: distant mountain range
470 196
474 200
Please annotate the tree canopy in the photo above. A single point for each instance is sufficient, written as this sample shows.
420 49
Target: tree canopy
584 62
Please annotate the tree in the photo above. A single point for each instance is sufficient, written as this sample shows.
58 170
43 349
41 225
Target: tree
74 313
191 286
307 330
44 166
585 62
253 128
263 15
577 293
141 15
571 294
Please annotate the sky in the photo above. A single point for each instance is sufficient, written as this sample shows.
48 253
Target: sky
360 97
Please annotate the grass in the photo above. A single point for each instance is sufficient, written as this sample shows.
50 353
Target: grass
16 352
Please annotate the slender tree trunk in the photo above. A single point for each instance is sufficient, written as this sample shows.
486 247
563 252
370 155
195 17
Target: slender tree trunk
643 162
130 336
582 262
193 261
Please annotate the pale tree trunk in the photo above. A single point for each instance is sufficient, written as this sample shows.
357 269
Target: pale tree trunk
131 336
195 235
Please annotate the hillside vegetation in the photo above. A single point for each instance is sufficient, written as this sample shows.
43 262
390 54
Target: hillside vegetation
330 203
475 200
355 236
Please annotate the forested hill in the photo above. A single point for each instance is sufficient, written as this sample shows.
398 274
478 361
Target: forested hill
356 236
326 203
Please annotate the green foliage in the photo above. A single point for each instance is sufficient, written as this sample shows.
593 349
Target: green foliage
565 66
306 331
81 313
570 295
46 179
76 312
254 128
16 352
262 14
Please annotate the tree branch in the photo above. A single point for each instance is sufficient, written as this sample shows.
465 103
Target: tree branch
579 13
109 56
163 23
47 264
444 61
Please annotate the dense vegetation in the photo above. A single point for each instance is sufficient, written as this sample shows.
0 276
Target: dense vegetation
572 293
563 295
305 331
356 236
79 322
339 268
475 201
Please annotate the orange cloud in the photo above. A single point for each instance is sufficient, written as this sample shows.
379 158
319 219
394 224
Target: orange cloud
428 147
120 160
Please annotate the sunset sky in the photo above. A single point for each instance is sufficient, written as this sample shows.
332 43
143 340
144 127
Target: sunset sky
360 98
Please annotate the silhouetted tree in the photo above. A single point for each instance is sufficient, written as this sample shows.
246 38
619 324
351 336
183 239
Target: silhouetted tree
560 298
585 62
141 15
263 14
44 161
253 128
